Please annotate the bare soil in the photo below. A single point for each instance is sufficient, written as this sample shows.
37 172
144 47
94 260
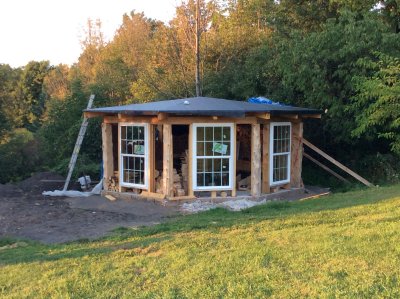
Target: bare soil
26 213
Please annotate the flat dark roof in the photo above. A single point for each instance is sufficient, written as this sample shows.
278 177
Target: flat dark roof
203 106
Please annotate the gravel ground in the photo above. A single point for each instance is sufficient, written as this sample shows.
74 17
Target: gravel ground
25 213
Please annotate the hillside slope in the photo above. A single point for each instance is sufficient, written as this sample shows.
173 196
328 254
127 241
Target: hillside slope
343 245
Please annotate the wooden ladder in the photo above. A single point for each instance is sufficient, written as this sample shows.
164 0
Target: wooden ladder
78 144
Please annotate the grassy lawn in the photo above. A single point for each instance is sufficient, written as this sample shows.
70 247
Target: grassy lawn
344 245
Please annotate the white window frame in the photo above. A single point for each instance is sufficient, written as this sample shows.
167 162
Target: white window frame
146 156
272 154
195 157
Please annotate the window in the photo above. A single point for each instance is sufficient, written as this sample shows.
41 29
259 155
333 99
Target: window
212 150
280 153
134 155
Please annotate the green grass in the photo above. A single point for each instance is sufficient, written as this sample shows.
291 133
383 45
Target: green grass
344 245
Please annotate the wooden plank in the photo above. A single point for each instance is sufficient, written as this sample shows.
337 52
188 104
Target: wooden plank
311 115
233 192
190 162
296 158
152 182
119 159
108 160
255 160
213 194
337 163
325 168
167 161
153 195
265 188
162 116
266 116
92 114
186 197
110 119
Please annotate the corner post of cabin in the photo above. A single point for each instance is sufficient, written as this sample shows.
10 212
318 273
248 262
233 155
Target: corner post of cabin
296 155
151 158
167 161
255 160
233 193
190 162
265 159
107 146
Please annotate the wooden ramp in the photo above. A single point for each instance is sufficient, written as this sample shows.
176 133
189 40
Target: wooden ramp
335 162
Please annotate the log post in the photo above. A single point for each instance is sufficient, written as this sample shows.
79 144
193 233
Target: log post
296 155
167 161
108 161
255 160
265 160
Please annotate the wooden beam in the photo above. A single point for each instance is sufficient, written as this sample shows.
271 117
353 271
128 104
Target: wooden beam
289 116
263 115
162 116
89 114
255 160
311 115
233 192
265 185
152 182
168 178
296 155
337 163
108 160
190 162
326 168
110 119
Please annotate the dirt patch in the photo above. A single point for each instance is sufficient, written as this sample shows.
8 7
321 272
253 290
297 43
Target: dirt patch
26 213
40 182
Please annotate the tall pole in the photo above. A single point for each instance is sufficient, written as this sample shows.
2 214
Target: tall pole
198 87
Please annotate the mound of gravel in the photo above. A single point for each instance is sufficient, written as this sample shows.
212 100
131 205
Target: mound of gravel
36 184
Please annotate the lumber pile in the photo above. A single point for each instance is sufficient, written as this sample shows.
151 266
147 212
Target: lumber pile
112 182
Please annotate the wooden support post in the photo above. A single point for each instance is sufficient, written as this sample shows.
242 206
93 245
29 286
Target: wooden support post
265 160
152 182
119 160
190 162
255 160
167 161
337 163
233 192
296 155
108 161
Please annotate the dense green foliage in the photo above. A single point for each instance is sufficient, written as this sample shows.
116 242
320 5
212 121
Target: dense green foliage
339 56
344 245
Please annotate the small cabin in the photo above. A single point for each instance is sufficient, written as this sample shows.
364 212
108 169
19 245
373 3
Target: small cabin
201 147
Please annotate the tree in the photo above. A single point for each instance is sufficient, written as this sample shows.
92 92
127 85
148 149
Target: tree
377 102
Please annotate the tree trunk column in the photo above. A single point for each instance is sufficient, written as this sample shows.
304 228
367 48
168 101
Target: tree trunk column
167 161
255 160
296 155
108 160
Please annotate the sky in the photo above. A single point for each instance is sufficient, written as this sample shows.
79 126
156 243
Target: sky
52 29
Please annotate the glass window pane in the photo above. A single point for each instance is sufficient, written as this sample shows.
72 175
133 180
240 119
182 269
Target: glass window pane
200 149
226 133
225 179
200 179
200 133
123 132
217 134
225 164
200 165
217 179
208 164
217 165
209 149
208 179
209 134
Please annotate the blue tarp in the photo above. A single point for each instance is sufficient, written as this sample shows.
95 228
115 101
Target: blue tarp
263 100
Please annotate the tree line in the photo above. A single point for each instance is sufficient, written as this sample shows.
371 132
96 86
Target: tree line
340 56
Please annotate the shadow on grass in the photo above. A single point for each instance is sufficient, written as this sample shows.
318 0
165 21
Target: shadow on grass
211 221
